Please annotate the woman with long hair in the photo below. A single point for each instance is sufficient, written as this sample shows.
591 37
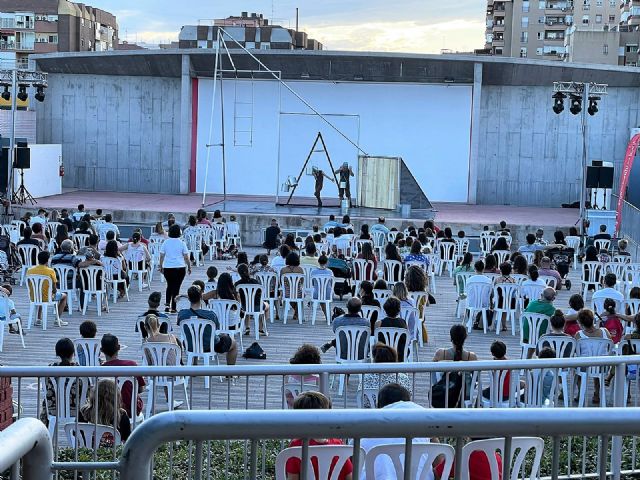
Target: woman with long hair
458 335
225 289
391 252
588 329
290 241
112 251
137 251
520 265
367 254
364 232
104 407
158 233
416 255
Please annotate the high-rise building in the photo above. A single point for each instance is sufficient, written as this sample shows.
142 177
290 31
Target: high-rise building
629 33
252 31
44 26
538 28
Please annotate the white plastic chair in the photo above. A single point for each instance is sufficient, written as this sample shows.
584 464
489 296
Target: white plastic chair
158 354
433 268
90 277
114 275
574 242
229 318
324 455
423 456
80 240
138 266
293 282
379 242
67 283
5 320
597 304
534 322
218 238
40 287
461 280
233 235
52 228
632 276
520 447
529 257
565 347
193 241
509 293
370 394
602 244
89 350
269 282
344 247
368 311
357 348
194 329
487 240
549 281
63 388
392 337
292 387
363 270
392 272
591 274
502 256
28 257
447 251
135 419
477 301
530 292
323 285
154 251
254 308
593 347
382 295
498 380
462 247
89 435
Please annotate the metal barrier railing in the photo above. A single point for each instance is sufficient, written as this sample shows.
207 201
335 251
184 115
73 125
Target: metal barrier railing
262 388
27 441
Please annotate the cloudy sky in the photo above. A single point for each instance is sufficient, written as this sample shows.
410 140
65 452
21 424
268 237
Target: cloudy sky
421 26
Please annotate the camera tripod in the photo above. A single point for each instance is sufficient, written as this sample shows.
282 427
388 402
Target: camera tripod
22 195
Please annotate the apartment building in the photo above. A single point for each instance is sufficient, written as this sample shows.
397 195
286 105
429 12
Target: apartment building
629 33
252 31
44 26
538 28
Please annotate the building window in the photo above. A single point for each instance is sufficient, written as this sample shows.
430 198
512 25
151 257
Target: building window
598 3
612 3
541 4
612 19
523 52
542 19
498 51
525 6
540 35
585 19
524 37
598 18
539 51
605 49
82 22
525 22
632 49
82 42
53 39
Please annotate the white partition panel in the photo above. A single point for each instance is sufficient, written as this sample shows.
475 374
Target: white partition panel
43 178
429 126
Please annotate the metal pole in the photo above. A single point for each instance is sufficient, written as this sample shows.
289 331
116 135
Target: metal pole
12 136
583 175
213 107
224 150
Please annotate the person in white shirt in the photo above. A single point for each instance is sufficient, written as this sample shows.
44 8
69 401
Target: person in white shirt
40 218
394 397
279 260
479 277
108 225
609 291
77 216
174 265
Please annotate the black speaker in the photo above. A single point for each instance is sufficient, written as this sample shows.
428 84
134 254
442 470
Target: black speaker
4 169
23 158
606 177
593 177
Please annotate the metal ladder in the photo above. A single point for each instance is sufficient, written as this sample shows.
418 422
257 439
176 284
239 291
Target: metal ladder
243 113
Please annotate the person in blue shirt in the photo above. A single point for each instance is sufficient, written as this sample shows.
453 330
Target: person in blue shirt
331 223
380 226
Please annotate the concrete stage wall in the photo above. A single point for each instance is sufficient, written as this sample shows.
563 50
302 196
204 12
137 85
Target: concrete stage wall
429 126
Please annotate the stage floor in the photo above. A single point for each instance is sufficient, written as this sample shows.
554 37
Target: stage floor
445 213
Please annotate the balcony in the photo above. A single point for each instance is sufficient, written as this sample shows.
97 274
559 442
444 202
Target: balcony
29 46
7 46
551 7
25 24
498 27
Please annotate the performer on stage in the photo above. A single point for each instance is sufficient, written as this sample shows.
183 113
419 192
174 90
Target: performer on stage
319 175
345 182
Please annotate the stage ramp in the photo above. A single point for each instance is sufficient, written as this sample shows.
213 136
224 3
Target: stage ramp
387 182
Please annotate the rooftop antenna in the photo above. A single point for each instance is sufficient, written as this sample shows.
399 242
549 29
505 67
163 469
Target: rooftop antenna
297 19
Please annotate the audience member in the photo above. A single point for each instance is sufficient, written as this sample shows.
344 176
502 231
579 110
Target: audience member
88 329
101 408
350 319
174 265
609 291
110 346
373 382
50 285
392 308
543 306
65 351
546 270
589 330
306 354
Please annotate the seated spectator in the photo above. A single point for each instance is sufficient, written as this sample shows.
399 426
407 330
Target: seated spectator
27 240
401 293
609 291
137 252
571 326
171 220
367 254
464 267
491 264
322 271
88 329
310 256
111 251
557 323
392 307
547 381
314 401
611 320
108 225
7 289
110 346
546 270
66 255
589 330
380 284
501 245
349 319
262 266
623 244
91 250
531 246
279 260
39 218
201 216
65 220
305 355
65 351
100 405
290 241
143 240
520 264
155 335
603 235
416 255
364 232
159 233
110 235
37 233
223 343
540 237
43 269
542 306
367 298
245 279
79 214
292 266
154 304
380 226
505 274
391 252
499 352
382 353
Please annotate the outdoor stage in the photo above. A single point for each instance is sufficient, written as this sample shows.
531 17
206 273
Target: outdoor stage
254 212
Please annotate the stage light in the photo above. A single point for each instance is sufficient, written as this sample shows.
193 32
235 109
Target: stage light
558 102
39 96
576 104
6 95
22 93
593 105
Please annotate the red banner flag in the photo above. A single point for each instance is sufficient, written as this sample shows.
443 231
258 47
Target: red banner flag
624 178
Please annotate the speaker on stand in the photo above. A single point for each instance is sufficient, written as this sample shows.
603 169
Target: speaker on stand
22 161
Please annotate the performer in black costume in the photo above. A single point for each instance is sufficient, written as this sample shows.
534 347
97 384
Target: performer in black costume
345 173
319 175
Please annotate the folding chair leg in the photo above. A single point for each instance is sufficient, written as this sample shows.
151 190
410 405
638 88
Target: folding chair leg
186 394
21 335
314 313
256 326
286 312
150 398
